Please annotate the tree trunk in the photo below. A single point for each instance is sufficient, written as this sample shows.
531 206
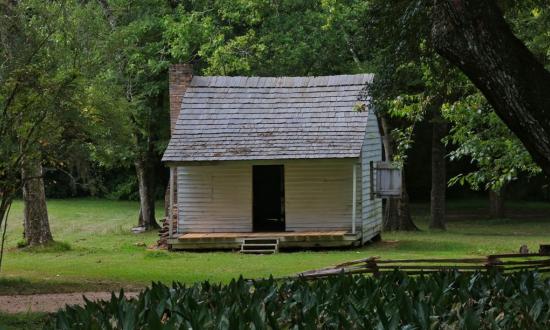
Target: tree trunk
36 224
167 200
496 204
439 180
397 215
145 171
473 35
108 13
391 215
405 218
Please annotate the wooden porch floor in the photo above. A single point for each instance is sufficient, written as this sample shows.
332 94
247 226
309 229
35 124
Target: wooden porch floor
296 239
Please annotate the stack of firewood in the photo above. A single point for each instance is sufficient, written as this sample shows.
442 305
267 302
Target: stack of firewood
162 242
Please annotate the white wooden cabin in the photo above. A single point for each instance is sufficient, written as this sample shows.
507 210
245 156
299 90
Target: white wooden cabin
283 158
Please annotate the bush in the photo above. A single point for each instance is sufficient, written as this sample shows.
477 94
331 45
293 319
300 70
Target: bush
396 300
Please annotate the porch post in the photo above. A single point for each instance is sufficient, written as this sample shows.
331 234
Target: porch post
171 211
354 199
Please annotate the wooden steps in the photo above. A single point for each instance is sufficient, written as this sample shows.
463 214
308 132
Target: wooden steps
260 245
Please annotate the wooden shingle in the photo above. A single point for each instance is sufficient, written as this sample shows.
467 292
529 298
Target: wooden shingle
246 118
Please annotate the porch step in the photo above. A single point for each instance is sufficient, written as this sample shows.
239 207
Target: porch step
260 245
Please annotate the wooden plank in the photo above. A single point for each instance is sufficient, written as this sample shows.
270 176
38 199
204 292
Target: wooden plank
417 266
171 204
198 241
262 234
354 198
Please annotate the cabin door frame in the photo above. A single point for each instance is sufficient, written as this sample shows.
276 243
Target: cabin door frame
268 198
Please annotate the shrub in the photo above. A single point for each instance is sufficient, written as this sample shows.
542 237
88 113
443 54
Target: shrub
396 300
21 244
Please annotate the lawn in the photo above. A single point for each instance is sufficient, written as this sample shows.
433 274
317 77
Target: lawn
105 255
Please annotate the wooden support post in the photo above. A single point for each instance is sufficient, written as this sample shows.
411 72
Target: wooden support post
171 212
354 199
371 179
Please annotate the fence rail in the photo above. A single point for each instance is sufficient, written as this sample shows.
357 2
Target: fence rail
497 262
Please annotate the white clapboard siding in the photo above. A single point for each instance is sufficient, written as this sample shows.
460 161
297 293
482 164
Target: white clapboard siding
215 198
371 151
318 195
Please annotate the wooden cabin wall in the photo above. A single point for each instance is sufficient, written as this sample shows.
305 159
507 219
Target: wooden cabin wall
215 198
218 198
319 195
371 151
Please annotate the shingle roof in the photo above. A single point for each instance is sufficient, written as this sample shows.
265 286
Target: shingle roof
245 118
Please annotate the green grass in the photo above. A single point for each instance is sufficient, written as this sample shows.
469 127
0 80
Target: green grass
20 321
100 253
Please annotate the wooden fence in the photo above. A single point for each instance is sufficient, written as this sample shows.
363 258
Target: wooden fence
498 262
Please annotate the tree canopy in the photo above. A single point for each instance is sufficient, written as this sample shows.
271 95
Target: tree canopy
83 84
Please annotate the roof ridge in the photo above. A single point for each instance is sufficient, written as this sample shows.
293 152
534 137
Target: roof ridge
281 82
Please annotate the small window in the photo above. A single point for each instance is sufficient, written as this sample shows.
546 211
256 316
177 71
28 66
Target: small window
387 180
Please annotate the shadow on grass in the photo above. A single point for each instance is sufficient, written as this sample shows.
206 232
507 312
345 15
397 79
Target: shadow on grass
17 286
53 247
420 246
13 286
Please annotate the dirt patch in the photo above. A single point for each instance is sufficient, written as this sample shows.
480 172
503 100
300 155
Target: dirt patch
50 302
388 243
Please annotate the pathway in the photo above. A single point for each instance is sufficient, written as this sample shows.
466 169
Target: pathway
50 302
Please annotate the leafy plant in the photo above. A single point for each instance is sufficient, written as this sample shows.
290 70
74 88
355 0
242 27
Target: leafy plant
395 300
481 136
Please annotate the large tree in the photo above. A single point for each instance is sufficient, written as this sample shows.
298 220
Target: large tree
45 55
137 60
480 134
412 84
475 36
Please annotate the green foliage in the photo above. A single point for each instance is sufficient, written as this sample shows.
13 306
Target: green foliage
133 82
531 22
481 136
478 134
48 59
412 81
268 38
443 300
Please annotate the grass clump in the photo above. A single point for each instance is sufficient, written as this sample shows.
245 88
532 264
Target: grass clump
447 300
52 247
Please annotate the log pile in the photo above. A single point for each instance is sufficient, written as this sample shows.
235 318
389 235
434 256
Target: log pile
498 262
162 242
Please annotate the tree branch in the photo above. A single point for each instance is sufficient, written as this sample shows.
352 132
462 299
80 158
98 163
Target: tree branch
474 36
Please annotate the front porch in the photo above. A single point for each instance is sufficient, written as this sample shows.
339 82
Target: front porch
296 239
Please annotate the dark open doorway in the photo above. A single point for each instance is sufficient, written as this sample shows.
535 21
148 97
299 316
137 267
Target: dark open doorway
268 198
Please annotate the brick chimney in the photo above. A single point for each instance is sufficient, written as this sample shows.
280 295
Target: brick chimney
179 76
